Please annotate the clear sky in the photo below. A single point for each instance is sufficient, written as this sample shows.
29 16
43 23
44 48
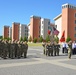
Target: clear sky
21 10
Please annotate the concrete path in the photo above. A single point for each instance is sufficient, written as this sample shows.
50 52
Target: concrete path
38 64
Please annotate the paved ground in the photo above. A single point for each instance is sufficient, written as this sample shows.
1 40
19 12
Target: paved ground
38 64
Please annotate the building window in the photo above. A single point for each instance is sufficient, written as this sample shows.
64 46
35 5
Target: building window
42 22
42 27
62 7
42 31
39 31
39 27
75 28
75 15
56 26
75 21
66 6
75 35
69 6
49 23
39 35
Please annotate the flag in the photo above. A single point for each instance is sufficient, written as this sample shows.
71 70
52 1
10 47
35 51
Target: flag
63 37
55 31
49 32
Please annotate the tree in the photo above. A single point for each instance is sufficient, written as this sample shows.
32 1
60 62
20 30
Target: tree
41 39
47 38
21 39
68 39
1 37
30 39
56 39
35 40
8 39
25 38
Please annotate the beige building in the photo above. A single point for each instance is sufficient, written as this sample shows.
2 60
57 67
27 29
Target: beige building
45 26
58 23
23 31
10 32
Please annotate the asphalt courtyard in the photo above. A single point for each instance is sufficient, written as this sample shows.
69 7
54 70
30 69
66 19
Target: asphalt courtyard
38 64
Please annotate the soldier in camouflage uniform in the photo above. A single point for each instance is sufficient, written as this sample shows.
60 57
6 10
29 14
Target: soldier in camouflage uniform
12 50
0 47
9 48
25 49
16 46
51 49
19 50
43 44
69 49
54 48
22 46
57 49
5 49
46 49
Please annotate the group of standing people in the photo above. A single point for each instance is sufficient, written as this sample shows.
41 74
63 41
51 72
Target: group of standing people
13 49
65 47
69 48
51 48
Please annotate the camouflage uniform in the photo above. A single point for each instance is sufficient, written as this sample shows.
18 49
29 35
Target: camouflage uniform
46 49
43 44
0 48
9 47
19 50
12 50
16 46
54 49
5 50
22 48
69 49
25 49
51 49
57 49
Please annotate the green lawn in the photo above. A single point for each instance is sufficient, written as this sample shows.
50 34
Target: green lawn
34 44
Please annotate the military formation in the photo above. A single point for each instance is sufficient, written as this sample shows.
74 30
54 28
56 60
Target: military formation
51 49
13 49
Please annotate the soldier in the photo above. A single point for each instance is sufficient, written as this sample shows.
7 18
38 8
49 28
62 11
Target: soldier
25 49
57 49
16 46
69 49
5 49
43 44
0 47
9 47
12 50
46 49
19 50
54 48
51 49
